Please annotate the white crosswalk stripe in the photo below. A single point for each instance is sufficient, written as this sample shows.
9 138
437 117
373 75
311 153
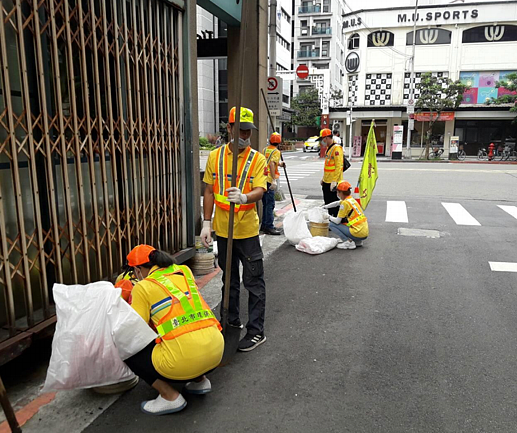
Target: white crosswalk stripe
512 210
396 212
460 215
503 266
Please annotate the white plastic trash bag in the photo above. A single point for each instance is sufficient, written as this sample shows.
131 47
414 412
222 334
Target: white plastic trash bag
95 331
317 245
295 227
318 215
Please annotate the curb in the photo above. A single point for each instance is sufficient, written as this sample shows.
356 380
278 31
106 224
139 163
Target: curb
29 410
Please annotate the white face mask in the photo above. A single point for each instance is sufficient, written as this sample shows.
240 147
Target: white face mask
243 143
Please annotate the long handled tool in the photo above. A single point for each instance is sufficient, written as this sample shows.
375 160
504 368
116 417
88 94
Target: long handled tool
232 334
285 170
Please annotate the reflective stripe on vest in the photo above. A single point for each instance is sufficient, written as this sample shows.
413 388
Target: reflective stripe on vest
267 170
243 175
330 165
360 216
192 314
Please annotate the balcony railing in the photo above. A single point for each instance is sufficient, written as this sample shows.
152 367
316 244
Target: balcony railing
321 31
309 9
308 53
316 9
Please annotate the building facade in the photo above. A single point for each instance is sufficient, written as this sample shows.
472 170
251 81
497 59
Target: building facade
318 44
213 72
474 42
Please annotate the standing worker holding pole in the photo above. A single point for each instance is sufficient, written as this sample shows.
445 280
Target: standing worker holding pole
251 184
333 169
273 161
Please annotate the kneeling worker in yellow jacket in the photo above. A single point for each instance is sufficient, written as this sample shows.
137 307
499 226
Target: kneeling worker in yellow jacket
350 224
190 342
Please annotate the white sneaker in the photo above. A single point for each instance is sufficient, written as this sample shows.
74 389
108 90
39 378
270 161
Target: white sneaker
348 245
160 406
358 243
203 387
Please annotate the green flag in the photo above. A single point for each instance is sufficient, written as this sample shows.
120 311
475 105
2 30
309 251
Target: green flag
369 175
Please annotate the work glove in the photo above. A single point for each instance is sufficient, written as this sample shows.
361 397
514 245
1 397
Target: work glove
333 186
206 233
273 186
235 196
335 220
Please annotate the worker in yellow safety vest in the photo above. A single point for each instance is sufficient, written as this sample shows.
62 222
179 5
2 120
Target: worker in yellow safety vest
273 161
190 342
251 184
333 168
351 224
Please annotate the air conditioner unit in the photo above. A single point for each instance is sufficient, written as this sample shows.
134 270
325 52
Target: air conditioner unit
336 126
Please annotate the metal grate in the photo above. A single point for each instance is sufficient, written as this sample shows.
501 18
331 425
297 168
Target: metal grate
90 145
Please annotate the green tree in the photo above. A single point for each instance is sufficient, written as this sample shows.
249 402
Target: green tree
437 94
509 83
307 109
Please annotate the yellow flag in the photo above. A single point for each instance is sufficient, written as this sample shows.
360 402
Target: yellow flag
369 175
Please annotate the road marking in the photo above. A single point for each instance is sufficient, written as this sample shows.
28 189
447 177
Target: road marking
460 215
396 212
512 210
503 266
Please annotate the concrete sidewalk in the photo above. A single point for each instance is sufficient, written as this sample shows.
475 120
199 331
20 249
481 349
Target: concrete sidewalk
73 411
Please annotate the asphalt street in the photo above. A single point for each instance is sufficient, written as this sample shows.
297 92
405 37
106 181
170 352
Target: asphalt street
407 334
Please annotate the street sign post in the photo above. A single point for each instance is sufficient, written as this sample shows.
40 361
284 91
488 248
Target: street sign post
275 87
302 71
411 109
411 124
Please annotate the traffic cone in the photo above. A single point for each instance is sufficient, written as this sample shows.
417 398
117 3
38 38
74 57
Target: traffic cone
356 195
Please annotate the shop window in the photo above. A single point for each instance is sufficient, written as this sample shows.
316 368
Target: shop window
430 37
499 33
381 38
353 41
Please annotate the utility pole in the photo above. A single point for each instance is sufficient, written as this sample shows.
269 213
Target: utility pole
272 46
350 134
411 82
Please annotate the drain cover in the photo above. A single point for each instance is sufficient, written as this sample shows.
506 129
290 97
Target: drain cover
419 232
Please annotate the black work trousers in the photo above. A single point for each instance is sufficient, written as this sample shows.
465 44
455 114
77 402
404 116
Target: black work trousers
249 253
330 197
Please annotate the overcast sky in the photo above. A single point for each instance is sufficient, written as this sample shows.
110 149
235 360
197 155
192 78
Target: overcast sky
371 4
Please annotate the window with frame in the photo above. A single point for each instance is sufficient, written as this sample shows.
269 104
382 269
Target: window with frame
353 41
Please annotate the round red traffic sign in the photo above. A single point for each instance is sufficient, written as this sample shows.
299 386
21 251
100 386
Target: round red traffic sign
302 71
272 84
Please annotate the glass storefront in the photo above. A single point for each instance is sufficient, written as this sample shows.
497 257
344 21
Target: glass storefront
476 134
418 134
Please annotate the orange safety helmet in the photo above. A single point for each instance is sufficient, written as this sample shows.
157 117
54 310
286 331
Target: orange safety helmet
344 186
324 133
139 255
275 138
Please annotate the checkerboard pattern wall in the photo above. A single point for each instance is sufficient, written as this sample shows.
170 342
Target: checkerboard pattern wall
378 89
353 88
416 80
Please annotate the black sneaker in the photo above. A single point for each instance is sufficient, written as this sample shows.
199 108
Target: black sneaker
250 342
272 231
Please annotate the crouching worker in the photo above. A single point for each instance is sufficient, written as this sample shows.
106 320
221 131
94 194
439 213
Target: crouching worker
350 224
126 281
190 342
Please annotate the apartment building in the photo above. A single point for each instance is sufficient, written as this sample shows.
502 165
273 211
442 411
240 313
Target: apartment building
318 44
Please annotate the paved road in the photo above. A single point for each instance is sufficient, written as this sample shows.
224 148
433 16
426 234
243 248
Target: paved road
407 334
408 179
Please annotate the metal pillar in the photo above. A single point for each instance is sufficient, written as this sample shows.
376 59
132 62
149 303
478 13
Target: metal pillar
411 83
